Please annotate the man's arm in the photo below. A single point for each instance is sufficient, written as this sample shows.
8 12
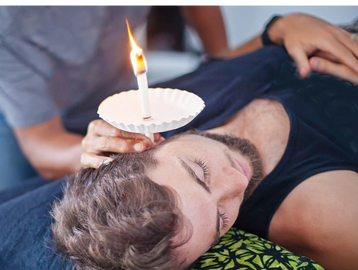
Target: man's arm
319 218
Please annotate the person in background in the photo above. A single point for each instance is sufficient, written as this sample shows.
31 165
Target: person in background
56 65
59 63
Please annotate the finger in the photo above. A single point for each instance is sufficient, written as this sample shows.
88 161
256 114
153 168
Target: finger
300 58
335 69
342 50
158 138
98 145
346 39
134 136
115 145
102 128
94 161
326 55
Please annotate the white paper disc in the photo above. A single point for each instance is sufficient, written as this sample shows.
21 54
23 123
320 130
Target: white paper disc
170 109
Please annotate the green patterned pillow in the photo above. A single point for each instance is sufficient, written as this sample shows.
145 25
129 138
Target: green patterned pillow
240 250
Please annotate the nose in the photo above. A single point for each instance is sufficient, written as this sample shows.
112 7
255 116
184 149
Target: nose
232 183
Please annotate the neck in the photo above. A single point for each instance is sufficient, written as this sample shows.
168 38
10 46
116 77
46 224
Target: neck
266 124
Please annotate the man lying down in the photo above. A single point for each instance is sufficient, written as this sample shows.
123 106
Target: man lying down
279 158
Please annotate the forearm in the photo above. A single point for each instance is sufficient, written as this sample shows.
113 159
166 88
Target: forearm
247 47
209 24
60 156
51 150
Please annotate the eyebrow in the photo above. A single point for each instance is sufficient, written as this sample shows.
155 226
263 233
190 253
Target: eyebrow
207 189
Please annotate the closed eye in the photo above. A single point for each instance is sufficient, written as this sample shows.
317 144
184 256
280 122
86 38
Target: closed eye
195 176
205 168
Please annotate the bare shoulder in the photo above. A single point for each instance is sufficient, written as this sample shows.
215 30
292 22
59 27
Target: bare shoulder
319 219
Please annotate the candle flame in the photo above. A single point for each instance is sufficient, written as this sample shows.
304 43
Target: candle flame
139 62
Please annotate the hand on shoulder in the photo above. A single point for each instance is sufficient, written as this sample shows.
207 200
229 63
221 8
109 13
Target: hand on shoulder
305 36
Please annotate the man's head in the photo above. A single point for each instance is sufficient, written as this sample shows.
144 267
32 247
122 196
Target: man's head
160 209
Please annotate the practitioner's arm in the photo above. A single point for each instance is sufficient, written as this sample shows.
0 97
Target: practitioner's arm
52 151
55 152
209 25
304 37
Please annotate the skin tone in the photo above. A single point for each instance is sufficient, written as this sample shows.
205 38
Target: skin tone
338 47
333 68
210 189
52 151
208 23
305 38
318 219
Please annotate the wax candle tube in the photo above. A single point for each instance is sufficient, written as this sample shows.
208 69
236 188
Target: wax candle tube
144 96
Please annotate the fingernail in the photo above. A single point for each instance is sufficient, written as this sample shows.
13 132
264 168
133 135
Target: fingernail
138 147
315 63
105 162
303 72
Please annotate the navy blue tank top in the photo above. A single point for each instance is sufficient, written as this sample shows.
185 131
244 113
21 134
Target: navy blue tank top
323 114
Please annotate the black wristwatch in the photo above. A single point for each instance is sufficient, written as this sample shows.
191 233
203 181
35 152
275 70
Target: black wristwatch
264 36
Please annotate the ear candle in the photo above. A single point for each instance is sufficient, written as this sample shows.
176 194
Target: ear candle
144 99
140 71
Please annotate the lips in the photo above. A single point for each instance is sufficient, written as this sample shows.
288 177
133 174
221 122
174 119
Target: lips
244 169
